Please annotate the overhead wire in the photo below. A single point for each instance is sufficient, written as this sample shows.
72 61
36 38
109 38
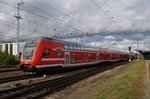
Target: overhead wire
41 10
116 15
29 13
57 10
40 16
53 16
105 13
53 8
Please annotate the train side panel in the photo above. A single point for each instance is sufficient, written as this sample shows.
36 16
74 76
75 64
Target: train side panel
53 54
48 53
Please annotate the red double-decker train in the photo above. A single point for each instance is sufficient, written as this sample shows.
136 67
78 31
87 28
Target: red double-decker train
45 53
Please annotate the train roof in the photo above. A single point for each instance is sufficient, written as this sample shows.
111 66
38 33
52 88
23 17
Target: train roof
76 44
70 43
114 51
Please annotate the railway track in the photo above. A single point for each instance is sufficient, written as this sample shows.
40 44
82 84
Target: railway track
9 70
38 90
22 77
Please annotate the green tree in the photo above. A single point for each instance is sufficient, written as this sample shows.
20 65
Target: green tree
7 60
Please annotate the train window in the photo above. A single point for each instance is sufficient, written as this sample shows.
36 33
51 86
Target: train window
87 59
90 49
46 52
84 48
66 46
70 47
79 48
93 49
87 49
73 60
58 52
96 49
75 47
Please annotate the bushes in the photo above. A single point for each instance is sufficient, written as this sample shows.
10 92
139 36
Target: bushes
7 60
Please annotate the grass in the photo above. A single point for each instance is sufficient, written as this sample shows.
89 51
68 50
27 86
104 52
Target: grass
128 85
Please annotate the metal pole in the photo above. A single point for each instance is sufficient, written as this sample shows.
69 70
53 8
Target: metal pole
137 45
18 31
18 17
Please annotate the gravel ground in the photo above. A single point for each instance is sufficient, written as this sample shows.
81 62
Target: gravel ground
27 81
11 74
81 89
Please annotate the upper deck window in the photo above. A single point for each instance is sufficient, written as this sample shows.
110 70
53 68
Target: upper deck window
79 48
75 47
70 47
82 48
66 46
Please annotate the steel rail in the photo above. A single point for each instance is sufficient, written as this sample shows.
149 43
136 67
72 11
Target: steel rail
15 78
9 70
50 85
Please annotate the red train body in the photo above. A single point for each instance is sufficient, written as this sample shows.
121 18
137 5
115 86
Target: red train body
47 53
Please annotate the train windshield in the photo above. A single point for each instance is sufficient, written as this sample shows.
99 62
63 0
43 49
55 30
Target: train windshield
29 50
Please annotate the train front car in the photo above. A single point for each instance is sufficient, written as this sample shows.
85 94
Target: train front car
27 61
40 54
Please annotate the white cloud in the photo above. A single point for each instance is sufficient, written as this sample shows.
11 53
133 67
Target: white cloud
130 19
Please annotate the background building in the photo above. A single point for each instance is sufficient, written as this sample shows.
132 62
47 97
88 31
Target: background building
10 48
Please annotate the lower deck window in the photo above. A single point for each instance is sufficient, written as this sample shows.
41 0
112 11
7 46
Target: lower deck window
58 52
46 52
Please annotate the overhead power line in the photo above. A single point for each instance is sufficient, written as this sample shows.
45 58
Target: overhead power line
42 17
18 17
112 9
59 11
105 13
54 17
41 10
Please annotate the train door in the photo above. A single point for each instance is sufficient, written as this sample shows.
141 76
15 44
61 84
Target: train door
97 57
110 56
67 59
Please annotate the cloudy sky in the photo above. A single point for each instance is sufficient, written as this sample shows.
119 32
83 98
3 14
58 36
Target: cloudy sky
115 24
